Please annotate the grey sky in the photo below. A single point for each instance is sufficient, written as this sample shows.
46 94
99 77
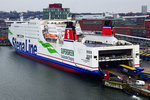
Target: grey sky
76 5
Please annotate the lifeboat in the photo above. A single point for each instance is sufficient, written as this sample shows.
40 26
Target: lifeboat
2 38
50 35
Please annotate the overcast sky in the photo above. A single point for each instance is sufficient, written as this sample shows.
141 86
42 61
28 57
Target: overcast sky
76 5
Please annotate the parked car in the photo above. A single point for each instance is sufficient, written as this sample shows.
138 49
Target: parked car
140 82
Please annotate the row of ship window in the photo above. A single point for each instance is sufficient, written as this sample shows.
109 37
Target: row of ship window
53 9
25 26
55 22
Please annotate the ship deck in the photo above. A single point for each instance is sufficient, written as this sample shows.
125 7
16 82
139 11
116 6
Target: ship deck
97 45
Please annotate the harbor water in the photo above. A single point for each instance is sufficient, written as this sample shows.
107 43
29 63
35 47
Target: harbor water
25 79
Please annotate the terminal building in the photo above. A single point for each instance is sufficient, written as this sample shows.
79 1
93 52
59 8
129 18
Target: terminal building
55 11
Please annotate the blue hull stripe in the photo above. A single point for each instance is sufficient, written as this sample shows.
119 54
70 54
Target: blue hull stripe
62 64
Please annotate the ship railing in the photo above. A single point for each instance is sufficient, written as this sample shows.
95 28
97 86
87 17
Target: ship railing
102 59
113 57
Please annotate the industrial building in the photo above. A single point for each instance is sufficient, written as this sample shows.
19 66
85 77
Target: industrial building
147 28
94 25
144 9
135 20
130 32
134 33
3 33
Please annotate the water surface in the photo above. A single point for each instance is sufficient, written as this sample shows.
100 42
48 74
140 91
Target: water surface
25 79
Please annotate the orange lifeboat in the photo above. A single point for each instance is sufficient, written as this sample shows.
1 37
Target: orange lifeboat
50 35
54 35
2 38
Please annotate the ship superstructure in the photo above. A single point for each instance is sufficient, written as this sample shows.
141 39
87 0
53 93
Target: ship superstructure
62 44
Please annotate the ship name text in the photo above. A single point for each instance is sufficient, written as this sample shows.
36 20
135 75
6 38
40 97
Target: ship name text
24 46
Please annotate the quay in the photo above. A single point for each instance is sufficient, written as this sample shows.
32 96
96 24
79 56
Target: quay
123 81
5 44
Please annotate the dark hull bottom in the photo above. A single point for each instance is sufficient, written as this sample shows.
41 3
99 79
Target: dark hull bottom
50 63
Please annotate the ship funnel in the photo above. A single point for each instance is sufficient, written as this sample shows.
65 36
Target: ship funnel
107 30
70 32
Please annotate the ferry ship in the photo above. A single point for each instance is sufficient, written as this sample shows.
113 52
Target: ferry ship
62 44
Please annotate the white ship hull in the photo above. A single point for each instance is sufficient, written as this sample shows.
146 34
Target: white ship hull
77 56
